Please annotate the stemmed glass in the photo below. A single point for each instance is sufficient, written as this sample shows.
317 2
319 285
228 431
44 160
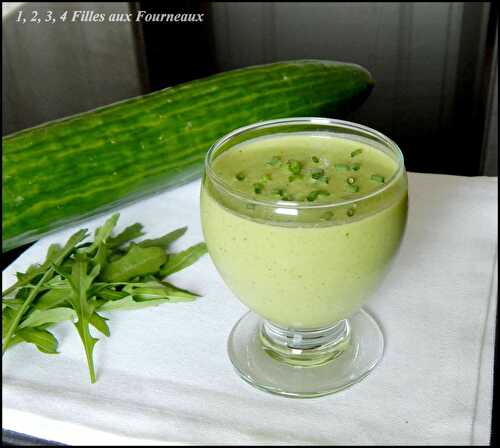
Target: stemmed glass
304 269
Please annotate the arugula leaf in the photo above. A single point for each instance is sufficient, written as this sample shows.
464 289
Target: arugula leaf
54 256
80 282
179 294
128 303
53 298
14 304
99 323
165 240
16 301
101 256
53 315
57 282
7 316
20 312
110 294
103 233
44 340
143 295
137 261
159 290
183 259
34 270
129 233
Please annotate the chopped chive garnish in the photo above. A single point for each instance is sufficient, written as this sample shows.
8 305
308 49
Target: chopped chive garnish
294 166
324 179
351 180
351 212
355 166
283 194
240 176
378 178
353 188
294 177
275 161
341 167
258 187
317 173
356 152
312 196
315 159
327 216
265 178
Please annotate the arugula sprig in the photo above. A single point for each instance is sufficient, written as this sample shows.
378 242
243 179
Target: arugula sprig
80 280
56 258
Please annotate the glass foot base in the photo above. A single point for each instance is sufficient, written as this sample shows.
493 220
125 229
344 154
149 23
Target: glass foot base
261 363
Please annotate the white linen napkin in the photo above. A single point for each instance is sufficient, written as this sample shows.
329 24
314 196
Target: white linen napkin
163 377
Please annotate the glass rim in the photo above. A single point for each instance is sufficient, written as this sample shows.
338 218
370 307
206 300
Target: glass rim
302 120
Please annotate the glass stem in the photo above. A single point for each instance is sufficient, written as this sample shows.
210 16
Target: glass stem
305 348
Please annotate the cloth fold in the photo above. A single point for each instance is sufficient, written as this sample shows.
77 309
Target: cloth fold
163 377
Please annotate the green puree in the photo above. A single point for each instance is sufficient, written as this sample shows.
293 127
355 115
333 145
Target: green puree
304 168
304 267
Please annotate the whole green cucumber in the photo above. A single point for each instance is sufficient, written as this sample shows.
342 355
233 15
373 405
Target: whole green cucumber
66 170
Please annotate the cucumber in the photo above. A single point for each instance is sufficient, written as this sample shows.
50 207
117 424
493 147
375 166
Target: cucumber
67 170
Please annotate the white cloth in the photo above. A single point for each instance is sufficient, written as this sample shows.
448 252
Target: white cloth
164 376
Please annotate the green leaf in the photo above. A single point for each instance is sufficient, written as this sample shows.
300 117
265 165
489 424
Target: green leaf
137 261
165 240
80 282
13 304
101 256
178 294
89 342
44 340
100 324
181 260
110 294
53 315
128 303
57 282
158 290
57 257
12 327
54 256
130 233
7 317
102 233
53 298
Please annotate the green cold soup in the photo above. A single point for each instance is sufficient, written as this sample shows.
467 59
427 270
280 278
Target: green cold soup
302 227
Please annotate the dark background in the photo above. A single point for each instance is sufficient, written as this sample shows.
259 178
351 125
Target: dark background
435 66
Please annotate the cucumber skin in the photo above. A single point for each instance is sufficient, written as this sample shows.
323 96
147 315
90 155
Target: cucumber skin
67 170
